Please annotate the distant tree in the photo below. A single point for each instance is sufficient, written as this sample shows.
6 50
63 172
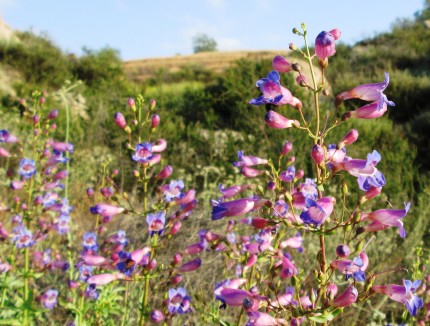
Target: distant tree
203 43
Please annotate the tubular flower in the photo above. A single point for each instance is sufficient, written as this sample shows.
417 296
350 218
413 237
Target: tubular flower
274 93
107 211
278 121
178 301
280 64
347 298
90 241
354 268
368 175
49 299
232 208
368 92
156 223
247 160
403 293
143 153
6 137
317 211
232 191
22 237
27 168
325 43
103 279
384 218
173 190
258 318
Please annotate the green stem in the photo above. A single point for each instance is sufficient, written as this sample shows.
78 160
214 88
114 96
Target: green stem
26 292
145 189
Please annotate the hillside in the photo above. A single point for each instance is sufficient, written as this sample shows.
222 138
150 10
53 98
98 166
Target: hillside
141 70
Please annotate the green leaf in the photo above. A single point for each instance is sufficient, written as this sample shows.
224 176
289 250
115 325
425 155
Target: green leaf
320 318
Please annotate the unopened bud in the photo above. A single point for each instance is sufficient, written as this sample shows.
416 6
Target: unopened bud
152 104
296 67
120 120
292 47
155 120
323 62
318 154
325 92
296 31
286 148
53 114
36 119
344 188
343 251
132 104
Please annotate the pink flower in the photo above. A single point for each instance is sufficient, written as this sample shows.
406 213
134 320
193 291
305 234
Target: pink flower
385 218
232 208
325 43
103 279
159 146
277 121
164 173
347 298
258 318
233 190
280 64
245 160
402 293
190 266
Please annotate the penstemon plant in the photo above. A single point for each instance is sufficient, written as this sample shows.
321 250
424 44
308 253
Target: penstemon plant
151 272
294 212
36 215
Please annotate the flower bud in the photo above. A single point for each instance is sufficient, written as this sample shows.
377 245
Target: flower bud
271 185
53 114
164 173
280 64
296 67
277 121
176 279
152 104
318 154
156 316
177 258
343 251
190 266
301 80
132 104
349 138
120 120
42 100
175 228
292 47
36 119
155 120
286 148
90 192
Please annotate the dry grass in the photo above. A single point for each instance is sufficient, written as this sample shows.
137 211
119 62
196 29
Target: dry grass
140 70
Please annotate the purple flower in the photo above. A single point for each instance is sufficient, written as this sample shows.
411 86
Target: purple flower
49 299
368 175
90 241
156 223
273 92
63 224
325 43
22 237
85 272
173 190
231 208
107 211
6 137
178 301
289 269
244 160
318 210
354 268
347 298
143 153
288 176
403 293
27 168
384 218
91 292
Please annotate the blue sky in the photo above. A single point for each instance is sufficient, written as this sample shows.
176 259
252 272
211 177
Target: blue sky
143 28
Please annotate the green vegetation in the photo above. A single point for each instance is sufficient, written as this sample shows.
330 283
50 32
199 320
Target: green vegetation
207 118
